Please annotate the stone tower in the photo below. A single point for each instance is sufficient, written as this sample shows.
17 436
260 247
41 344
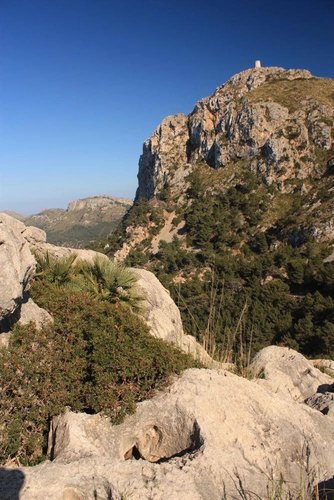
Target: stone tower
257 64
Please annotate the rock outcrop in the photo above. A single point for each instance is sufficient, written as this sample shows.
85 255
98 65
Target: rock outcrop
272 118
163 317
17 269
212 435
103 203
287 373
164 153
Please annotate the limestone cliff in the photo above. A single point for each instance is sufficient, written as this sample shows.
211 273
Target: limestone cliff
277 121
274 123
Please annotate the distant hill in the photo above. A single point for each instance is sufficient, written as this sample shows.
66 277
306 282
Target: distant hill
82 223
16 215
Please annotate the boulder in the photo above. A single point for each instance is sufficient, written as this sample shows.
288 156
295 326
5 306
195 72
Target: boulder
163 317
17 266
211 435
31 312
287 373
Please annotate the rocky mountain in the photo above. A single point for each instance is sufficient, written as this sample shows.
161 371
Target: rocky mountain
83 222
278 122
234 211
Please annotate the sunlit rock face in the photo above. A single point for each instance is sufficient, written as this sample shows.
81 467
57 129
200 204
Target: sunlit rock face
273 119
17 266
211 435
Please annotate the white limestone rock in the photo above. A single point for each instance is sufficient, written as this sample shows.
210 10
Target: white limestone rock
34 235
190 442
163 317
16 263
31 312
287 373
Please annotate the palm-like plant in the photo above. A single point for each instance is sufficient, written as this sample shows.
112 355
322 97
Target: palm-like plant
104 279
58 271
108 280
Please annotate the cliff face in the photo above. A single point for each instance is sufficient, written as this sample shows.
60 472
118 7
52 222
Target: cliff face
279 122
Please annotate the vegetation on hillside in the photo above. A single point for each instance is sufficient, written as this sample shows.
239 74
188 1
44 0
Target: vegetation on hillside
98 356
248 271
290 93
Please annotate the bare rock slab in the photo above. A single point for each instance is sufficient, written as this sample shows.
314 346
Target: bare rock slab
287 373
209 431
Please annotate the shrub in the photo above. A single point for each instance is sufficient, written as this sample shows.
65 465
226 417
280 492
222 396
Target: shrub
103 279
97 356
107 280
58 271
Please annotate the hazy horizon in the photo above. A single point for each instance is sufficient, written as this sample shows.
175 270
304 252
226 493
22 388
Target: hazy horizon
63 205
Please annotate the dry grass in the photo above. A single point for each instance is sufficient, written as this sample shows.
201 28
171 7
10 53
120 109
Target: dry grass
290 93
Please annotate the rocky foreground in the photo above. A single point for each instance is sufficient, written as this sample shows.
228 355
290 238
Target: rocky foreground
211 435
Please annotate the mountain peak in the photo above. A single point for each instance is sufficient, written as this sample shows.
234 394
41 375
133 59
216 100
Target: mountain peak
270 117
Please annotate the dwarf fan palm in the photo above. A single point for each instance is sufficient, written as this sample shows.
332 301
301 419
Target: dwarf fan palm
108 280
58 271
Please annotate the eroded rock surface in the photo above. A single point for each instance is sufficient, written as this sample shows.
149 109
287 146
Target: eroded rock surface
17 268
246 118
193 441
287 373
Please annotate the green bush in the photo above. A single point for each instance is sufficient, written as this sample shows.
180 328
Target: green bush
103 279
97 356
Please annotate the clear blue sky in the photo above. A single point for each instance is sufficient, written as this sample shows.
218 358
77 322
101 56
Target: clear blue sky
84 82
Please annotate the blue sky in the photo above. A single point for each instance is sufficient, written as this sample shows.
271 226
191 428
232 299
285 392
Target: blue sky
83 83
